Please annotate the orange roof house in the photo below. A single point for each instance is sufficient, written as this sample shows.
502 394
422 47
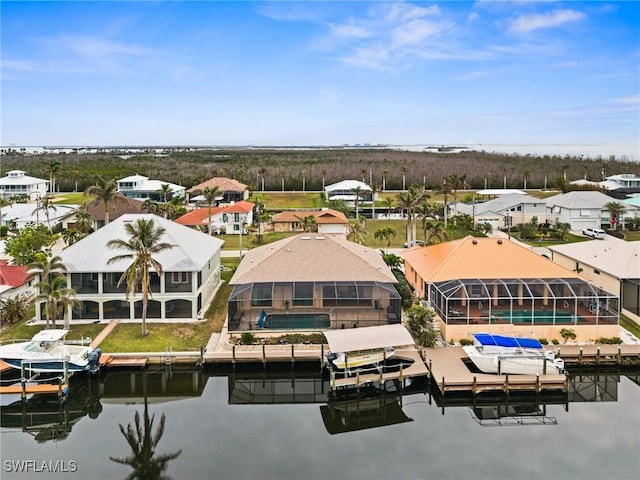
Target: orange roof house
327 221
490 284
14 279
228 218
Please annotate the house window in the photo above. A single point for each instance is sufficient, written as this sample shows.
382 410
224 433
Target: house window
303 294
261 295
179 277
236 217
597 272
224 218
236 227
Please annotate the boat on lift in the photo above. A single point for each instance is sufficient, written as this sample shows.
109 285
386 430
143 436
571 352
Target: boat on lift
503 355
47 351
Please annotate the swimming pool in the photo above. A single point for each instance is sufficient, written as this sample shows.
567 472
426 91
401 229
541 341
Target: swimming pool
297 320
539 316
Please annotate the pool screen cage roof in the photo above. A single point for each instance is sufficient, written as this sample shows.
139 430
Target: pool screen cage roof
570 292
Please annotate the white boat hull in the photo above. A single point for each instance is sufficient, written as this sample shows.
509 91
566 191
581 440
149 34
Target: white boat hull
354 361
514 362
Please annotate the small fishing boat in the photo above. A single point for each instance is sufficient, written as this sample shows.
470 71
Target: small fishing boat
358 360
48 352
512 355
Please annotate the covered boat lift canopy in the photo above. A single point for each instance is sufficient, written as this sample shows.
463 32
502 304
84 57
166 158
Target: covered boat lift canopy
368 338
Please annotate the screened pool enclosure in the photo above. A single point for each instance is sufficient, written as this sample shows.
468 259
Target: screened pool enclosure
559 301
343 304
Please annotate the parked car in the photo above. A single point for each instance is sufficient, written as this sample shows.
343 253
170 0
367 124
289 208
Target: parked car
413 243
594 233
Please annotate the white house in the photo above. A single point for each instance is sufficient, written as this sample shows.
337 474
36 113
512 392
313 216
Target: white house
344 190
15 280
520 208
17 215
582 209
141 187
17 184
191 272
229 219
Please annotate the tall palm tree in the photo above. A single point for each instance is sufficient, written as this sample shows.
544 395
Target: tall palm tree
445 189
357 231
164 191
54 168
84 222
409 201
145 241
47 267
616 212
107 192
356 192
384 178
456 182
57 297
210 194
434 231
44 205
389 204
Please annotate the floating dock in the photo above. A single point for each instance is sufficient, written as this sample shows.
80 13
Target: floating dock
42 388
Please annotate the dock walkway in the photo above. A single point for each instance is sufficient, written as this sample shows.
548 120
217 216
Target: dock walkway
451 374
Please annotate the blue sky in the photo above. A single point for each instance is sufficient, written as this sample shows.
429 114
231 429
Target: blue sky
322 73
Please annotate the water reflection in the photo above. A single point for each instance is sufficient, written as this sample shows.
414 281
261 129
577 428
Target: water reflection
143 441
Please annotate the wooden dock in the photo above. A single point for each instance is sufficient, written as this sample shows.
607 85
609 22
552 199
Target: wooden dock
595 355
5 367
123 362
41 388
451 374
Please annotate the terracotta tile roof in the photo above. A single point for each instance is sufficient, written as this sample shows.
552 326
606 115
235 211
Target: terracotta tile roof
198 216
322 216
239 207
223 184
14 275
484 258
312 257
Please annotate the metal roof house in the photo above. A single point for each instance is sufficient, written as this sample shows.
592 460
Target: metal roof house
18 184
520 207
497 286
344 191
191 273
312 281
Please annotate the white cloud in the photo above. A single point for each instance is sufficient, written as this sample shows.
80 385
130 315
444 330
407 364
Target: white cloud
529 23
630 100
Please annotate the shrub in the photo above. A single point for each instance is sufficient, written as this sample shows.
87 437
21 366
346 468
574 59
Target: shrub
543 341
609 341
555 341
466 341
247 338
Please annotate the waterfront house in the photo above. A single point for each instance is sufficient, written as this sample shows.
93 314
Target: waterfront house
513 208
231 219
584 209
229 190
191 273
312 275
328 221
611 264
498 286
141 187
18 184
622 185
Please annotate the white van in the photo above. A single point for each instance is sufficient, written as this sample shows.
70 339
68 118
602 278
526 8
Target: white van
594 233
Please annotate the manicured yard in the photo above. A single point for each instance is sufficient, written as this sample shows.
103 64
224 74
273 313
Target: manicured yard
276 200
76 198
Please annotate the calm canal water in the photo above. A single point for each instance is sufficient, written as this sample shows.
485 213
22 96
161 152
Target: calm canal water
280 425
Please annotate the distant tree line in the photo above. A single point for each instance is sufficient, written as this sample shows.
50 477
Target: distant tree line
311 170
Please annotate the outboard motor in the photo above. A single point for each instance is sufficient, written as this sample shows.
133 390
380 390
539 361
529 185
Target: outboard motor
94 360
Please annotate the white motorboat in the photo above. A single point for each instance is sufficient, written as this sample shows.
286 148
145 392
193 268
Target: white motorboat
359 360
512 355
48 352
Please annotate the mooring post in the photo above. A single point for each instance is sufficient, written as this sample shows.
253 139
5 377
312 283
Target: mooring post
619 355
443 386
66 369
598 355
233 354
264 355
321 356
538 382
506 383
474 387
580 355
293 355
201 356
23 380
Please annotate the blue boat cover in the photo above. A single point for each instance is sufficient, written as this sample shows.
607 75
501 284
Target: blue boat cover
261 318
487 339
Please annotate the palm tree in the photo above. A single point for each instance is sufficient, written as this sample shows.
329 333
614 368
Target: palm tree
44 205
15 309
107 192
616 213
445 189
164 191
356 192
210 194
143 243
47 267
434 231
389 204
384 178
54 168
456 182
84 222
309 223
357 231
409 201
374 190
385 235
393 261
404 175
57 297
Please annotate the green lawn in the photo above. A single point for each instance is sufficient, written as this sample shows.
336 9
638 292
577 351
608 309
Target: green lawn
278 200
77 198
